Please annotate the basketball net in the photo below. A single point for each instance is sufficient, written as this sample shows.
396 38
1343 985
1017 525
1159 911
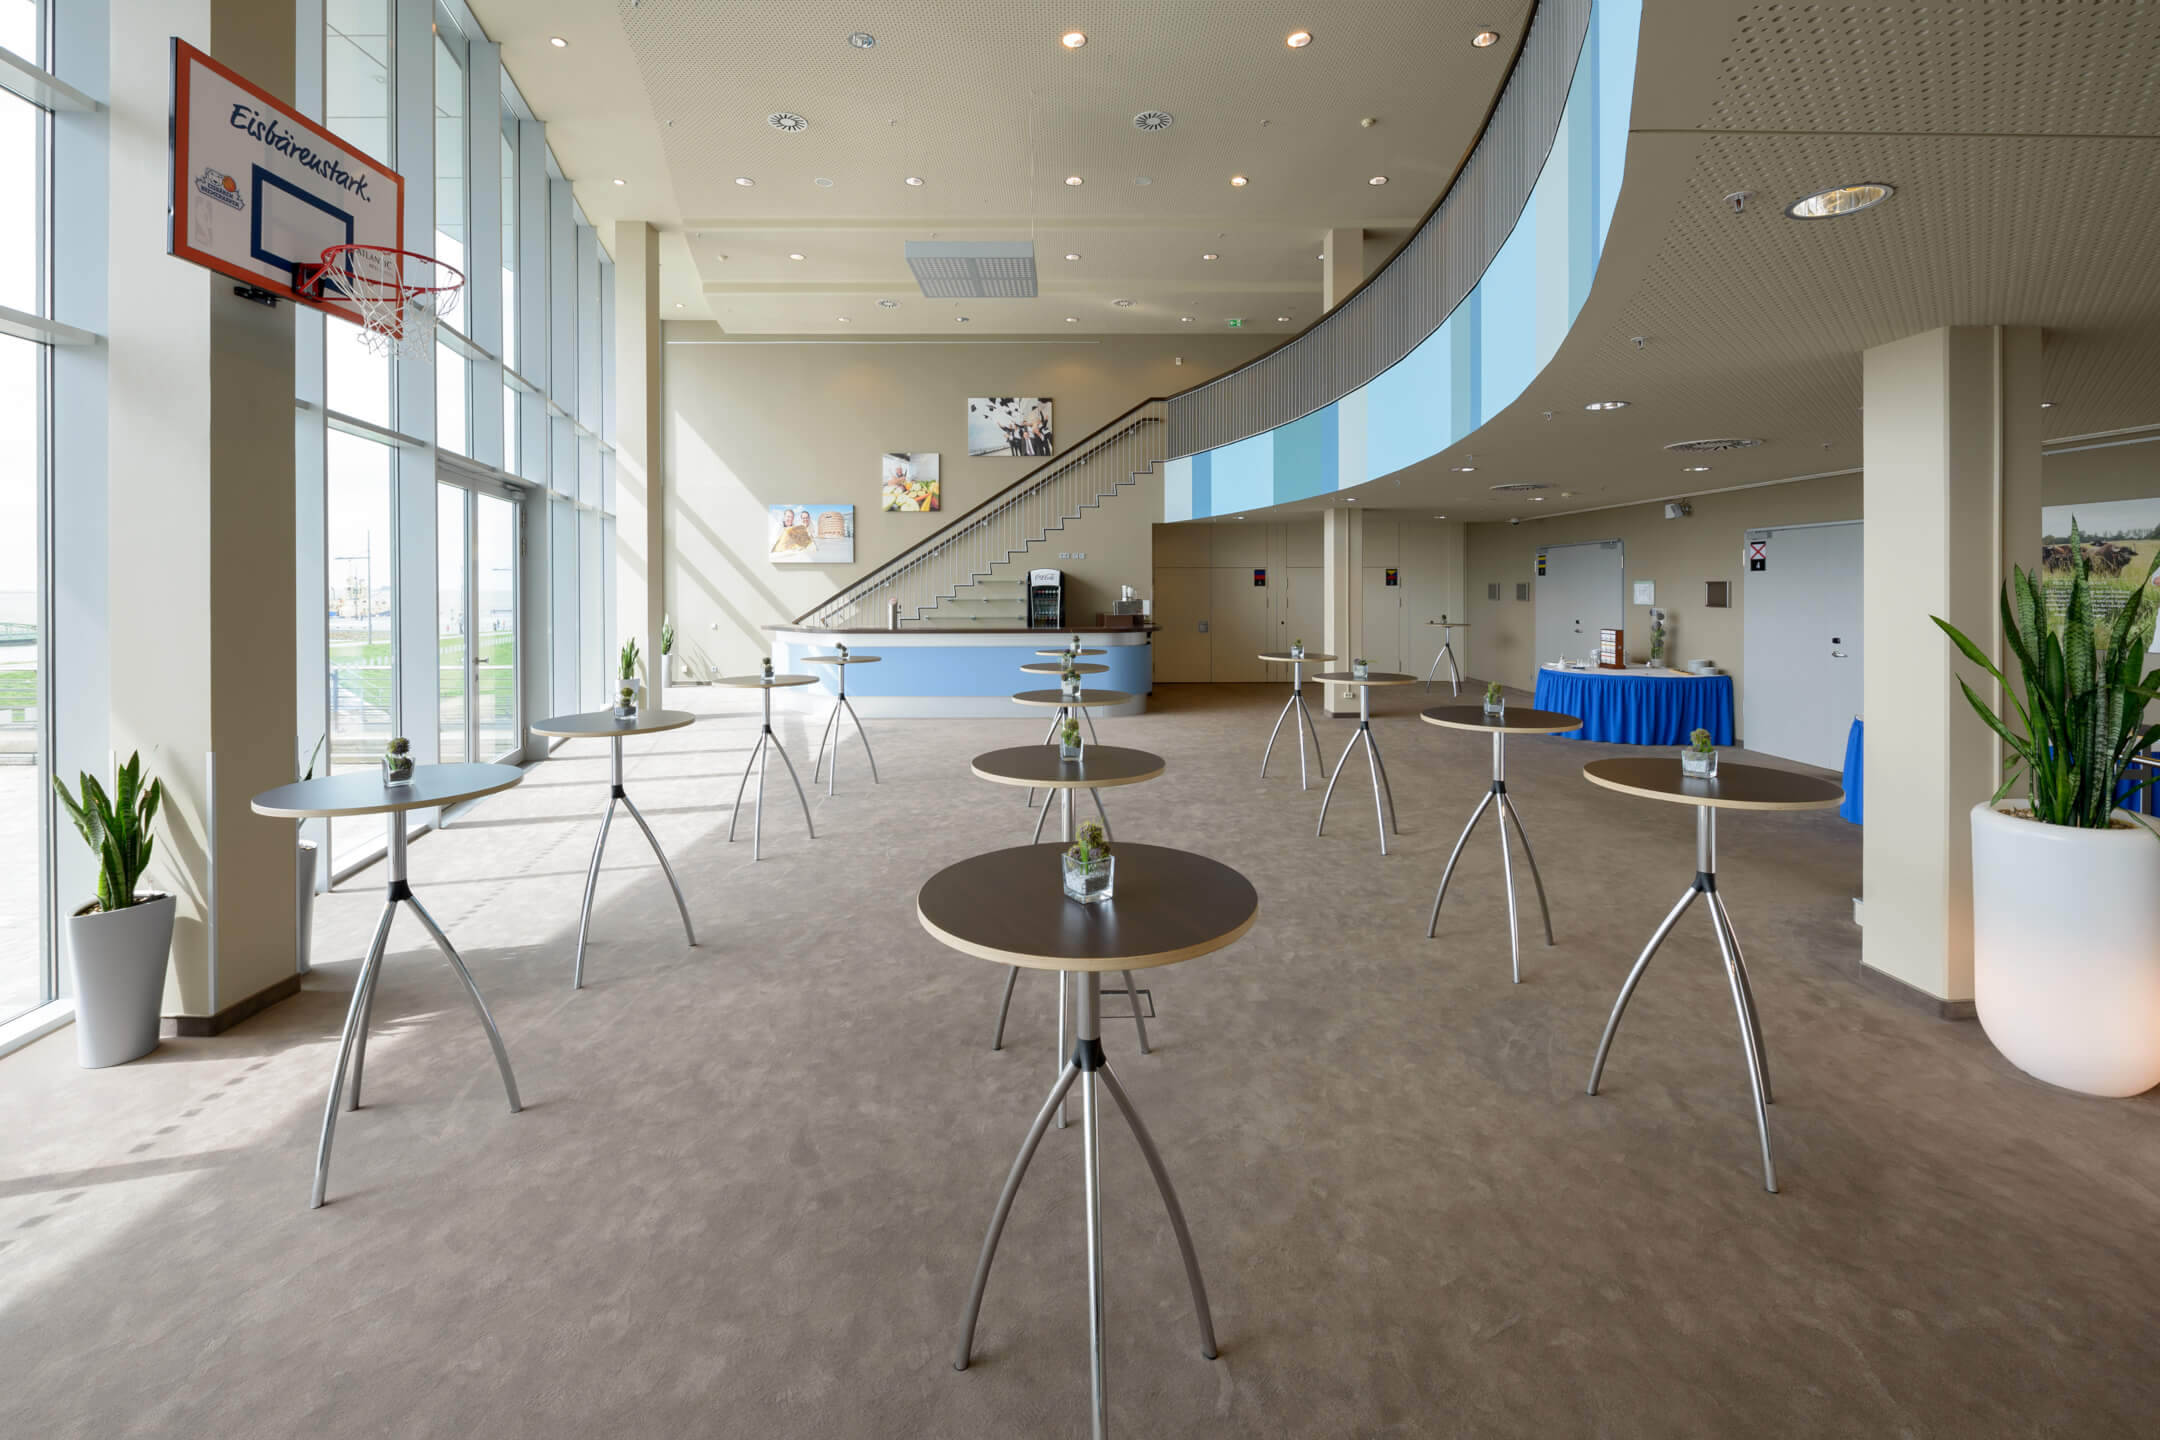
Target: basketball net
400 296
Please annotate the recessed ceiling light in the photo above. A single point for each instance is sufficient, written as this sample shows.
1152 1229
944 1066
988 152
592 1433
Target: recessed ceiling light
1485 39
1693 469
795 255
1184 319
1072 319
744 181
787 121
822 182
678 304
1538 499
1240 181
1606 405
1122 304
1072 255
1839 200
558 42
1209 255
914 180
620 181
960 319
1282 319
1074 180
1073 39
862 40
1142 180
1464 469
888 304
843 319
1298 39
1377 180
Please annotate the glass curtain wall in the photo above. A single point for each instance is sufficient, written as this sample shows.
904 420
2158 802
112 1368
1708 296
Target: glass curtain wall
27 975
501 540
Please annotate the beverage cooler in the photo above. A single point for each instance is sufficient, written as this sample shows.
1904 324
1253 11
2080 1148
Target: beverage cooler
1046 600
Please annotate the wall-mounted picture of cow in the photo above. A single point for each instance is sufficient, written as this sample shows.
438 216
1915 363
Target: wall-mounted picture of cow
2117 539
1008 425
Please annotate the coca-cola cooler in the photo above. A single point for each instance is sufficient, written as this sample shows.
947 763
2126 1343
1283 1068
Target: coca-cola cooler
1046 599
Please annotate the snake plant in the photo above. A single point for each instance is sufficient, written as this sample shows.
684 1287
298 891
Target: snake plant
118 829
2081 719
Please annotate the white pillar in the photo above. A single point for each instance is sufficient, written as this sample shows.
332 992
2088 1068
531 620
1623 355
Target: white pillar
1342 264
640 420
1342 567
1952 498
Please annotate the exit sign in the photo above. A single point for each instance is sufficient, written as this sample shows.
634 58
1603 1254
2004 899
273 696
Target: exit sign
1235 324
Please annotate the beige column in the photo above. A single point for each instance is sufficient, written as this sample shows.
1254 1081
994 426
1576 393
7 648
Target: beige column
1342 574
640 442
201 516
1342 265
1952 498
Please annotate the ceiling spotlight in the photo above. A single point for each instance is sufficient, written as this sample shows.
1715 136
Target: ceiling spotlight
1240 181
1282 319
787 122
1073 39
678 304
842 319
620 181
1184 319
862 40
2047 404
888 304
914 180
1074 180
1464 469
1539 499
1298 39
1606 405
558 42
1210 255
1377 180
1072 255
1072 319
960 319
1693 469
821 182
795 255
1485 39
745 181
1122 304
1839 200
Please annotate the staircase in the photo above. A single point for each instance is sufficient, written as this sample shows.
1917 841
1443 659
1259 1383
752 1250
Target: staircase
973 571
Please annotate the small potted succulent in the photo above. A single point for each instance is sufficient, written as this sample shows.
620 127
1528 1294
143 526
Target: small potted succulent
768 670
1069 739
1090 868
626 668
1700 758
1297 649
1069 679
626 703
843 653
397 762
1495 701
1657 637
1361 668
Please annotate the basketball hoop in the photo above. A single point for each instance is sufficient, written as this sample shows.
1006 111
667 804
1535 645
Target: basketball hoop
399 295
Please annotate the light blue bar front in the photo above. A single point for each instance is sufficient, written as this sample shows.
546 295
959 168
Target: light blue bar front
930 673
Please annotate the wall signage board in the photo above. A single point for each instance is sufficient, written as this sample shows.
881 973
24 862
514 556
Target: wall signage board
1541 562
1758 555
1259 577
1391 576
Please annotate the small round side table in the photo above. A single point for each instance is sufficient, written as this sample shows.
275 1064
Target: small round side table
766 741
1735 787
1447 653
1294 706
1364 684
832 721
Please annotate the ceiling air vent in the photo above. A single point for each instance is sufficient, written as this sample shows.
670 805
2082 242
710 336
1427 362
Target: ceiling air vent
1712 447
973 269
1519 486
1153 120
791 123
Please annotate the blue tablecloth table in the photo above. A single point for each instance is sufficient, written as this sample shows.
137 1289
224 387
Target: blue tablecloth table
1639 707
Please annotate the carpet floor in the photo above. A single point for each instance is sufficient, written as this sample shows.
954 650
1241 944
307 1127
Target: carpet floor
747 1189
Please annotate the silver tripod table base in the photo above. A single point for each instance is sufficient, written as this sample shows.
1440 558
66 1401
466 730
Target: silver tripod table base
1503 807
832 731
617 796
1294 710
1383 794
767 743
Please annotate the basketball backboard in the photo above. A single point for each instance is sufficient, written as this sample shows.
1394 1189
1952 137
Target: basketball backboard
258 188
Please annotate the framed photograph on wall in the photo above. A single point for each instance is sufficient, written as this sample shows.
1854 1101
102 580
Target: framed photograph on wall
1009 425
810 534
908 480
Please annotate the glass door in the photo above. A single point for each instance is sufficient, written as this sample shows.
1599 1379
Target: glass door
476 548
453 614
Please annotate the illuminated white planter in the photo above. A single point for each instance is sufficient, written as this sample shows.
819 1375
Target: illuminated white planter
2066 950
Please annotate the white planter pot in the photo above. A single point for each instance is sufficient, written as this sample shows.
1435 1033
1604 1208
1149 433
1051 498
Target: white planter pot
304 909
117 962
2066 950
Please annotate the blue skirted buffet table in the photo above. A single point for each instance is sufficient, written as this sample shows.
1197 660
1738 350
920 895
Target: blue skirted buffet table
1639 707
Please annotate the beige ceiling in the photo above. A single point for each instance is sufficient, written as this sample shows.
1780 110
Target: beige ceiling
2024 142
979 99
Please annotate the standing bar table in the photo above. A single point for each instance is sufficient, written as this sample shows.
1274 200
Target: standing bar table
1364 683
363 793
1735 787
1293 707
614 727
1050 738
1038 766
766 741
1009 906
1519 722
1083 651
832 721
1447 653
1078 705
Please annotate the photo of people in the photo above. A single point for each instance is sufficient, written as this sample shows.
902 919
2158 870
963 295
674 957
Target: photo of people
1008 425
810 534
908 481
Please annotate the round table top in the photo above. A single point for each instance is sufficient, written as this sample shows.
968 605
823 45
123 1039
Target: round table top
1084 651
841 659
1010 906
1515 721
362 792
1284 657
1451 624
759 682
1038 767
605 722
1055 698
1378 677
1734 787
1057 667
